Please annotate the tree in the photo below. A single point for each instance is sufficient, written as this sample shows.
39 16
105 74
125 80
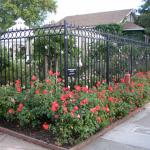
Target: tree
110 28
32 11
144 18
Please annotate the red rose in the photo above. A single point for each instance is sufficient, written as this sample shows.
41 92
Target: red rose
57 73
110 88
17 82
10 111
98 83
107 109
45 126
122 80
78 116
111 99
44 92
64 110
77 88
84 89
19 108
18 89
20 105
63 97
59 80
83 102
33 78
50 72
75 107
98 119
37 92
47 81
65 89
54 106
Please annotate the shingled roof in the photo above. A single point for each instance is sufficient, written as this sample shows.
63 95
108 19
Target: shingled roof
127 26
98 18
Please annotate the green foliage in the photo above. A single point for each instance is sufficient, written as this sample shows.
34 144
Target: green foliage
110 28
72 115
9 67
136 35
33 12
144 18
51 45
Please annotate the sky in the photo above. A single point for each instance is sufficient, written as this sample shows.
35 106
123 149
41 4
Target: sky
76 7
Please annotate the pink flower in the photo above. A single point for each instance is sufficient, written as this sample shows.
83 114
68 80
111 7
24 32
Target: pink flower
95 109
65 110
18 89
78 116
110 88
77 88
73 100
19 108
56 116
33 78
75 108
98 119
103 81
84 89
83 102
122 80
37 92
58 80
44 92
50 72
31 84
107 109
72 114
47 81
20 105
17 82
10 111
54 106
45 126
65 89
111 99
57 73
63 97
98 83
53 109
140 84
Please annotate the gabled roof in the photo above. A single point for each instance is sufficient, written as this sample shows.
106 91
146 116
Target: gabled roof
127 26
98 18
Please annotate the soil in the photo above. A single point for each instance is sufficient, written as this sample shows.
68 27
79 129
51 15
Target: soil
34 133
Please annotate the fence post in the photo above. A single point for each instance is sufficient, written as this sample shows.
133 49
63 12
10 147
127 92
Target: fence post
65 54
131 60
146 60
107 59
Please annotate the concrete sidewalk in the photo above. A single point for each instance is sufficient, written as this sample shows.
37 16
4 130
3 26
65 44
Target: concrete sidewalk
134 134
11 143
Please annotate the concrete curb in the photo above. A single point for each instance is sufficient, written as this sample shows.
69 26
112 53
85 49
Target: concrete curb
77 147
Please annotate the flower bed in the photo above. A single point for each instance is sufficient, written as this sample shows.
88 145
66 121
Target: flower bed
51 112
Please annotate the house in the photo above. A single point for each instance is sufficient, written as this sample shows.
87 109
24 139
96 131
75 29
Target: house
16 39
125 17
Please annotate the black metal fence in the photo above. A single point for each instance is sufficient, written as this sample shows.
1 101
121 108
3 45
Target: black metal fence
82 55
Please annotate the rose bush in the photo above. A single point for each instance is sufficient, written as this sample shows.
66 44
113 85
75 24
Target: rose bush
72 115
